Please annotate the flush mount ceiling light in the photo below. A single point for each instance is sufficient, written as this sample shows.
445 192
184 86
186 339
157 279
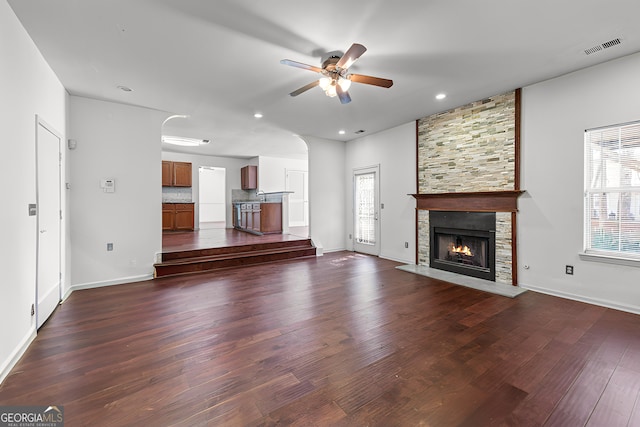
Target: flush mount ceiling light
258 115
185 142
441 96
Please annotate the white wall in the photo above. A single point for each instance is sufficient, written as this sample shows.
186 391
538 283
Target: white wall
272 172
326 193
395 151
555 115
28 87
120 142
232 167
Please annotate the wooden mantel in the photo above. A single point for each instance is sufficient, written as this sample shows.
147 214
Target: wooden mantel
481 201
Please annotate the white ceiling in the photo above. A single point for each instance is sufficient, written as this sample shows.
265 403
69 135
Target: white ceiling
219 61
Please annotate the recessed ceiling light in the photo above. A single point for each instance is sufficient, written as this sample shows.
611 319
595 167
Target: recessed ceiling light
341 132
258 115
125 89
441 96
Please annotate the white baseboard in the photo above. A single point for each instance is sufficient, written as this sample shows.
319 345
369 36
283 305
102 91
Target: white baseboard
17 354
580 298
101 284
403 261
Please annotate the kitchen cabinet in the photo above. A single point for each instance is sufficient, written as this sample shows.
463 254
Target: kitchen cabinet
168 217
270 218
249 177
176 174
258 218
177 217
254 224
167 173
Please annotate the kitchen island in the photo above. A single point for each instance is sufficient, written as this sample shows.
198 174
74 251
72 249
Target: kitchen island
262 214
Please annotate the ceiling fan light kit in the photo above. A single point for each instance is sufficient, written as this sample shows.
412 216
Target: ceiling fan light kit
336 80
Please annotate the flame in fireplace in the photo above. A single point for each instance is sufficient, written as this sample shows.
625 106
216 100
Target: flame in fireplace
460 250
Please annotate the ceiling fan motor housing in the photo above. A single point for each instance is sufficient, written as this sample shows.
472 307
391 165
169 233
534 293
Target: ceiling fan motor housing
330 63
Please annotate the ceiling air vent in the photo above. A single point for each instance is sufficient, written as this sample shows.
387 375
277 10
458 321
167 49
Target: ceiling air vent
602 46
360 131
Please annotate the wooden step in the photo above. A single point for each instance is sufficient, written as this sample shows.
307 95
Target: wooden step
249 247
203 260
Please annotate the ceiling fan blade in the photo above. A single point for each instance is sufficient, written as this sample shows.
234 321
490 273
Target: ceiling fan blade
368 80
305 88
343 95
354 52
301 65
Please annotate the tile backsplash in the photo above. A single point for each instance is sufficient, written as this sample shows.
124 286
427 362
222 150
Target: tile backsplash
176 195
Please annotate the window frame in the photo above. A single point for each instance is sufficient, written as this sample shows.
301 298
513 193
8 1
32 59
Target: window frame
596 183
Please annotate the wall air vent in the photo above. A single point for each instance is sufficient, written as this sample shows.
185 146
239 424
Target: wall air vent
605 45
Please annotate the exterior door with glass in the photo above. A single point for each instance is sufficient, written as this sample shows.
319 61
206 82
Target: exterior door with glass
366 197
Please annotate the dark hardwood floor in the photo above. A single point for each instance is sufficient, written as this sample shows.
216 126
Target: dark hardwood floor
344 339
223 237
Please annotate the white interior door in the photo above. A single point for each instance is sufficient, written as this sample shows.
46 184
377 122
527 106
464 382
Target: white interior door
298 200
48 284
366 197
212 197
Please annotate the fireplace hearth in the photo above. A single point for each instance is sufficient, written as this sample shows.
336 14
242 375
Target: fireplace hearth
463 243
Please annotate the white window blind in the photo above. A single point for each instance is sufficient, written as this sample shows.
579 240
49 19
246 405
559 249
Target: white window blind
612 194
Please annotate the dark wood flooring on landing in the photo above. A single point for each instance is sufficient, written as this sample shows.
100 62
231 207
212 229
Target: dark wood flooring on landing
344 339
173 241
207 250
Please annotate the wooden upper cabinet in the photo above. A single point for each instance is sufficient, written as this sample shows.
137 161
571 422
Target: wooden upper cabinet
167 173
181 174
176 174
249 177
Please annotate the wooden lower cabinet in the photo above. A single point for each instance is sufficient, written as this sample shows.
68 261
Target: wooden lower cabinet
177 216
271 218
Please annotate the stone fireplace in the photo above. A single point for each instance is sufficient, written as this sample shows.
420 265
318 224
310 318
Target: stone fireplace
468 163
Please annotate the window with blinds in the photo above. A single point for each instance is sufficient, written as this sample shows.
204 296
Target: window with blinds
612 194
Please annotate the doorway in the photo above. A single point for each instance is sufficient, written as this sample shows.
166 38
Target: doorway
297 181
49 214
366 197
212 197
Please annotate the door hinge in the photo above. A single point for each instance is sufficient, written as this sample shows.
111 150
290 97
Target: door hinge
60 214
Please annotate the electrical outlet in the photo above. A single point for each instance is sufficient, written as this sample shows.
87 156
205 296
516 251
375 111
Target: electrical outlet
109 246
568 269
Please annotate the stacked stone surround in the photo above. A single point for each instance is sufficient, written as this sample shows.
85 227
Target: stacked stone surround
470 149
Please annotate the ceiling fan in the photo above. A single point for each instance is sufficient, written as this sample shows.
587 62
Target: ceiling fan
336 79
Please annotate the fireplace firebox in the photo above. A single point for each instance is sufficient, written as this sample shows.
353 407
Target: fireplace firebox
463 243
